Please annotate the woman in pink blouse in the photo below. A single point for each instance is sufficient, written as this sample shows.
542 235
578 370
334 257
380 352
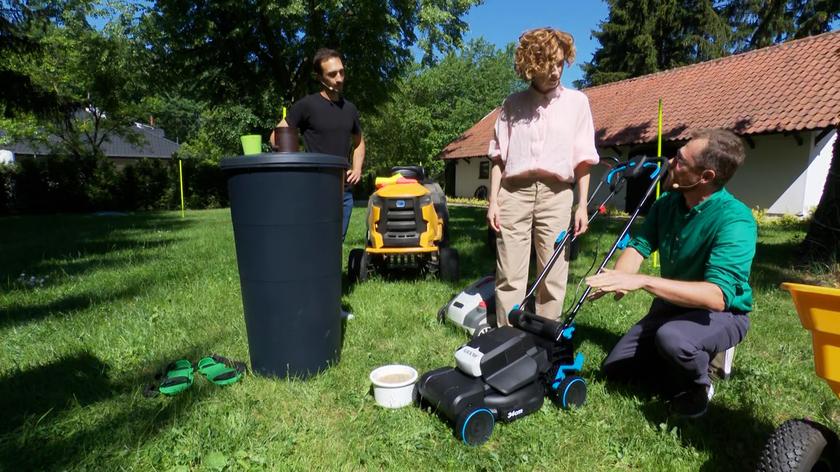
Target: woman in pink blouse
543 146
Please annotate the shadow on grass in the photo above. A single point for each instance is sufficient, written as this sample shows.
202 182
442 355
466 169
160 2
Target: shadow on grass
603 338
31 244
773 265
733 437
38 403
72 246
20 314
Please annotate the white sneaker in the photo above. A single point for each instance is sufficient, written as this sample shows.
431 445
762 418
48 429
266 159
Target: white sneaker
710 392
720 364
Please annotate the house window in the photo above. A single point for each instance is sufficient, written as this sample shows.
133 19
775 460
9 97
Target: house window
484 170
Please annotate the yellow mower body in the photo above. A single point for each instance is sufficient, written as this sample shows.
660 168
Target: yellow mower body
406 228
385 235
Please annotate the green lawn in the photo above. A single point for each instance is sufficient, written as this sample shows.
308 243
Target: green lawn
113 298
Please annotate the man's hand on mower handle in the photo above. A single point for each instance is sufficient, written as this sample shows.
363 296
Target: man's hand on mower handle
611 281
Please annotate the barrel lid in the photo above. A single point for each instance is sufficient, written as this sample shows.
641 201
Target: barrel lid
269 160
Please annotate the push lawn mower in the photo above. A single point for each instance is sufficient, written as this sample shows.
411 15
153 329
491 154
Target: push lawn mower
407 228
506 373
474 309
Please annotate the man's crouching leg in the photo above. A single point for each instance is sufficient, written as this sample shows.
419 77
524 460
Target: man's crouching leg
686 343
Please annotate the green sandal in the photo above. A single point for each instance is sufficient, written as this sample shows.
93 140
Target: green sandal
177 377
220 370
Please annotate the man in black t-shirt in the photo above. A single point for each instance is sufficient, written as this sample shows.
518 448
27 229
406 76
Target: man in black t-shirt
329 123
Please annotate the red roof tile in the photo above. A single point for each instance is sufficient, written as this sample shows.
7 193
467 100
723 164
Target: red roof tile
792 86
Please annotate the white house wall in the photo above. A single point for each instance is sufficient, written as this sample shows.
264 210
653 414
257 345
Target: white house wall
818 169
773 176
466 177
779 175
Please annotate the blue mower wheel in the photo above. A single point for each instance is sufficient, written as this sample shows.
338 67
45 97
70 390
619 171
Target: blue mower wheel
475 425
571 393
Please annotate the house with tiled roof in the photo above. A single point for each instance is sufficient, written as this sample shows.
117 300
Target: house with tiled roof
783 100
150 143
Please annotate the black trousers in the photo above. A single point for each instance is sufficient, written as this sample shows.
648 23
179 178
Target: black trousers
670 347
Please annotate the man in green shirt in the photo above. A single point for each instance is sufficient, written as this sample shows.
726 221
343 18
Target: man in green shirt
706 239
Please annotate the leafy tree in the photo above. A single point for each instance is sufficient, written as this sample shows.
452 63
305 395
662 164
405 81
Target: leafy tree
645 36
761 23
90 75
434 104
257 53
178 116
87 91
218 133
20 25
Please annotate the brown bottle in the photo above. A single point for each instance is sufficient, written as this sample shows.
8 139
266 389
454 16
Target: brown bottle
286 139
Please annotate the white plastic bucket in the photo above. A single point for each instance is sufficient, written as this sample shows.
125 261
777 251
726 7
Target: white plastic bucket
393 385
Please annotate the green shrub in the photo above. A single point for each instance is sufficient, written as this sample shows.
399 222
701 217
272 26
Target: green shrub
7 176
62 184
145 185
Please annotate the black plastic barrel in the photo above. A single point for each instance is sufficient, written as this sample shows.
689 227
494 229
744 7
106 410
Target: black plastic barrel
287 215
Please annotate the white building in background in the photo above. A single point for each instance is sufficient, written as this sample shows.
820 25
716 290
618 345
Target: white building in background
783 100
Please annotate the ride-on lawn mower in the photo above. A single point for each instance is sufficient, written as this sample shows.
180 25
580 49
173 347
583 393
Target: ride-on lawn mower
802 445
506 373
407 228
474 308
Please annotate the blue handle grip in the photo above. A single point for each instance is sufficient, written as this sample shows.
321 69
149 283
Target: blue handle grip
656 172
617 169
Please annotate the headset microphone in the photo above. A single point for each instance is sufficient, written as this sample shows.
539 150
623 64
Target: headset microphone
330 88
676 186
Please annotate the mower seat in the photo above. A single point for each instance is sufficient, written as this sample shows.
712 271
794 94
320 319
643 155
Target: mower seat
411 172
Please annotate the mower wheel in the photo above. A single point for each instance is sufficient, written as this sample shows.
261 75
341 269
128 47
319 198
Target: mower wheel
357 265
799 446
449 270
571 393
475 425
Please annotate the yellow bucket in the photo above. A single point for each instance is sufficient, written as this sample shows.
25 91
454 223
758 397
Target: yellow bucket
819 312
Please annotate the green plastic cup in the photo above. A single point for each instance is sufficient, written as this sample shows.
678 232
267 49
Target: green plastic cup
251 144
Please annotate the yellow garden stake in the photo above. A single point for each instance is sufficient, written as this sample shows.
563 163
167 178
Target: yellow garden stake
658 165
181 180
284 114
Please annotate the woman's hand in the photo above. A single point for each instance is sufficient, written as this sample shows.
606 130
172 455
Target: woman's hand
581 220
493 216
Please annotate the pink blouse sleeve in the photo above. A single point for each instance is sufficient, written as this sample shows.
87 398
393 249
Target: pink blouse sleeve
498 149
584 149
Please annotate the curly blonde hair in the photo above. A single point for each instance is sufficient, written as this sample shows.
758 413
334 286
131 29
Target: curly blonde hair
541 48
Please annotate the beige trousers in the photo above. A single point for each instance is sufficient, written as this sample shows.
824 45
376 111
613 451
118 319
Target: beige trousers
529 210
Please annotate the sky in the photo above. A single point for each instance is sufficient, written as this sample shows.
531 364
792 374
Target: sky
502 21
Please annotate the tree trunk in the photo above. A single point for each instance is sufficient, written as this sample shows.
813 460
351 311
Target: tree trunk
822 243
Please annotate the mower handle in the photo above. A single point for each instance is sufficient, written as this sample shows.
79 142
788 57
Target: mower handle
656 176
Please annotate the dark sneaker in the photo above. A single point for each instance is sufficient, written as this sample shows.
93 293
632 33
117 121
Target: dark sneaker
692 403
